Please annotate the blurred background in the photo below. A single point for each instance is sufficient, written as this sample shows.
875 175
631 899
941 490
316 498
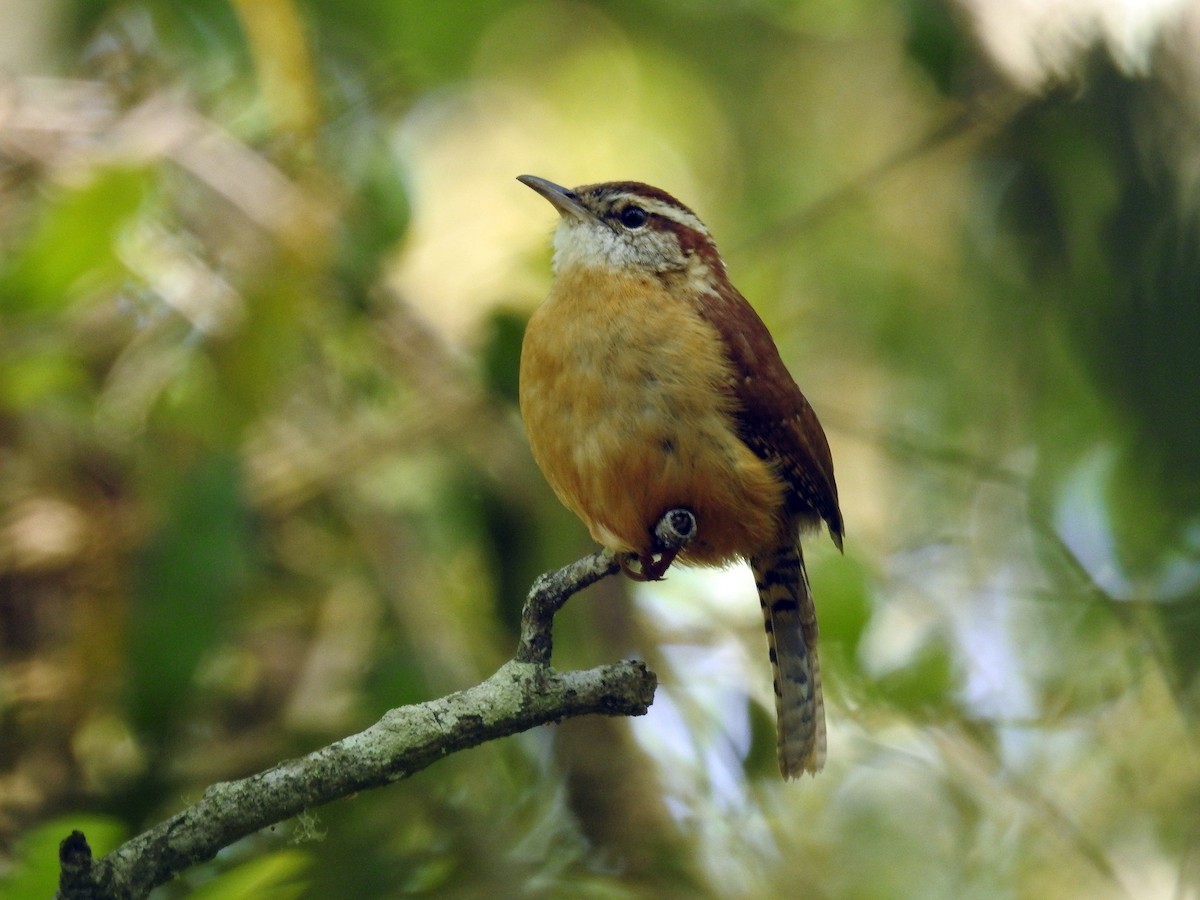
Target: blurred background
264 270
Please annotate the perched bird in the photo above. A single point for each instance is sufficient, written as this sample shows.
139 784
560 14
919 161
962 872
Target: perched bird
647 384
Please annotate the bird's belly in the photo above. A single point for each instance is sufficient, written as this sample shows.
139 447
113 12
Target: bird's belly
629 415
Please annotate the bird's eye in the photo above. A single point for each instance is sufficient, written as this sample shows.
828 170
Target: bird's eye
633 217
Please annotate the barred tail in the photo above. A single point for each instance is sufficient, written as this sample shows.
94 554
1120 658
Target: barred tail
791 622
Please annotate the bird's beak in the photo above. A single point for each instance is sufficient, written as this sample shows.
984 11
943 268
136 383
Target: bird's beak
564 199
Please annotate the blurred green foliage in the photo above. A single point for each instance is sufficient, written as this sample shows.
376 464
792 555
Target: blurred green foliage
73 240
205 554
264 273
34 871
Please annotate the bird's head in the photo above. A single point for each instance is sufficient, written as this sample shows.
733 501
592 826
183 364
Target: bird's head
627 225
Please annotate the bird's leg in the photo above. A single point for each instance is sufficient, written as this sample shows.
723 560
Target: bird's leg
674 531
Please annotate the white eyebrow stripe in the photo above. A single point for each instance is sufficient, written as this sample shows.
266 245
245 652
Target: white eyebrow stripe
666 210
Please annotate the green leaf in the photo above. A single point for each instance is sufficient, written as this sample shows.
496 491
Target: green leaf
30 379
843 601
762 758
74 238
502 352
934 42
272 877
190 576
924 683
376 220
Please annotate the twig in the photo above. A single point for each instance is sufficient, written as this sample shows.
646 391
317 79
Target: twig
550 591
674 531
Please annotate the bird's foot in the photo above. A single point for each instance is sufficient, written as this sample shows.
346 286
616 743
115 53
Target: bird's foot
650 566
674 531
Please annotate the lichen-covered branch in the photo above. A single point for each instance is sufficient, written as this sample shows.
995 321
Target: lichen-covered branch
523 693
547 596
406 740
674 531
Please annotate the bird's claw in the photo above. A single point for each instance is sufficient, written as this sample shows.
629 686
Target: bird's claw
650 566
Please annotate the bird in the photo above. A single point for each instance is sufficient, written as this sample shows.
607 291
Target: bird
648 383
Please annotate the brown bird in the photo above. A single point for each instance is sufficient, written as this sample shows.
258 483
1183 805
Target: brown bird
648 383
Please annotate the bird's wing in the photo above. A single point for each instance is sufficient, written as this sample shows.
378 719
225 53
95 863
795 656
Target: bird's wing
775 419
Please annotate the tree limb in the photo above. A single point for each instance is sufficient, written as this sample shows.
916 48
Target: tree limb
523 693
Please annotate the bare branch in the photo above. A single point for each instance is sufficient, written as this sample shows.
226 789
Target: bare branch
523 693
517 697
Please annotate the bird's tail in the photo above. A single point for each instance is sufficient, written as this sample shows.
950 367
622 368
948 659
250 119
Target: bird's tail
791 622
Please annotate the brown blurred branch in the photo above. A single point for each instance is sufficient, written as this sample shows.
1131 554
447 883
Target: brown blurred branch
523 693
